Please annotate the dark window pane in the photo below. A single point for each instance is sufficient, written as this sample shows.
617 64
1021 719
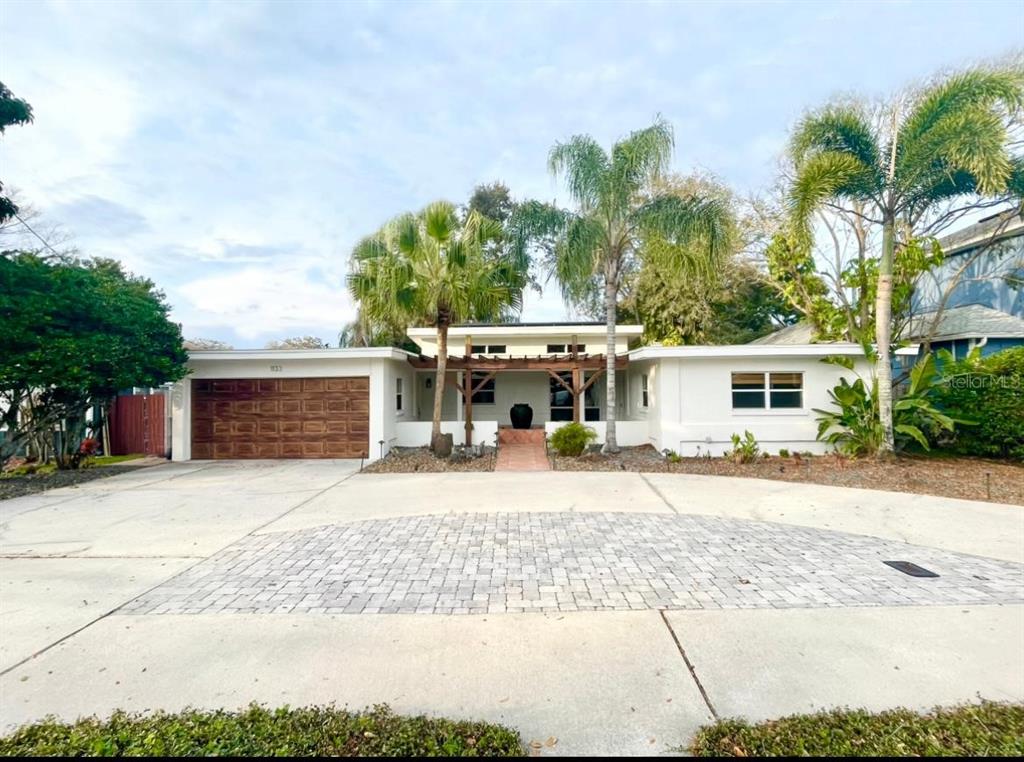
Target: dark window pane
748 399
787 399
478 349
561 414
556 348
497 349
748 380
592 414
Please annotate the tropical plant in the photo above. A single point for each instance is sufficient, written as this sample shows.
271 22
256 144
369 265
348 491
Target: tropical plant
947 141
593 246
990 391
433 268
745 449
572 439
856 428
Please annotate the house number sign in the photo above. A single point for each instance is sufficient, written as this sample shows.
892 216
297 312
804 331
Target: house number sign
275 368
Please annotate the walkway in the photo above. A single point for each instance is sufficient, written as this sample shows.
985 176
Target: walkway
522 450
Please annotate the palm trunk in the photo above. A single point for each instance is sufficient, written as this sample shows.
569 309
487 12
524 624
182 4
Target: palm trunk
611 445
442 367
883 335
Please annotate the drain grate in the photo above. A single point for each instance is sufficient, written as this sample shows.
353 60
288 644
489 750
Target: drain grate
912 569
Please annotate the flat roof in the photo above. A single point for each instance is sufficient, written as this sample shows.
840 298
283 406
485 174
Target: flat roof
526 329
701 351
343 353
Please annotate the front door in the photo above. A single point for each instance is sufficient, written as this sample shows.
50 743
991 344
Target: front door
561 399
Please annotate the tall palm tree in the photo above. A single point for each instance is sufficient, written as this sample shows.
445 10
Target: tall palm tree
946 141
594 244
431 268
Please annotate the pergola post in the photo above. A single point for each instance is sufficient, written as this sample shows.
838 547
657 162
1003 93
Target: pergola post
576 393
467 397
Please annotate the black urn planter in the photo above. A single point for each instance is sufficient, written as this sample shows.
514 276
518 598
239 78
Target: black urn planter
521 415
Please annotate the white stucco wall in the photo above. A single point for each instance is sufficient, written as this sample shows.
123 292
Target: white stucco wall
693 404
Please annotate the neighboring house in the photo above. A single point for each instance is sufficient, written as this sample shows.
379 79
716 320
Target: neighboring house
361 402
973 298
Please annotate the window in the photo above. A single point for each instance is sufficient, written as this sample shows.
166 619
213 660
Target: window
558 349
561 400
485 396
398 394
484 349
774 391
644 398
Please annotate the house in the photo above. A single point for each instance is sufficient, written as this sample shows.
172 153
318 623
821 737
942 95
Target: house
361 402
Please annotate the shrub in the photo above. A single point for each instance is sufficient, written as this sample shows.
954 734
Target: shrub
672 456
990 391
783 452
572 439
990 729
259 731
856 428
745 450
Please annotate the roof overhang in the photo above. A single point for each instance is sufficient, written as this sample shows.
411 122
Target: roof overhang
351 353
516 329
538 362
701 352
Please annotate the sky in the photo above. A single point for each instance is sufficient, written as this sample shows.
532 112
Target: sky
234 152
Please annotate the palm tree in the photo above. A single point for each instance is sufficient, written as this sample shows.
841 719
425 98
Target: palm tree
594 244
431 268
946 141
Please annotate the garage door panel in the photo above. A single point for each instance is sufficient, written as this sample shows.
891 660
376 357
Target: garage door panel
280 418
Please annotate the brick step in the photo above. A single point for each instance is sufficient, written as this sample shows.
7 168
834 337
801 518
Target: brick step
508 435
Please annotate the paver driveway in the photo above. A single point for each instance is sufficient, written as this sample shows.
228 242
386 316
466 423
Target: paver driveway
249 563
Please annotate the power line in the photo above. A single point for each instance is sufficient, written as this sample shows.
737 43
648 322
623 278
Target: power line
33 232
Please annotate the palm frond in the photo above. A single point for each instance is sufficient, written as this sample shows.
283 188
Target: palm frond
639 159
577 258
440 220
825 175
838 128
967 90
584 165
699 231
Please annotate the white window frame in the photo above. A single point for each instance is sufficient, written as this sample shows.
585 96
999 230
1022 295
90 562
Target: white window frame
400 394
478 375
645 398
766 391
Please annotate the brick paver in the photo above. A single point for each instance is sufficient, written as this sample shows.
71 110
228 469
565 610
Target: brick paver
546 562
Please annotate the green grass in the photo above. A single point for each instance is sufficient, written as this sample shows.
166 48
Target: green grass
989 729
259 731
109 460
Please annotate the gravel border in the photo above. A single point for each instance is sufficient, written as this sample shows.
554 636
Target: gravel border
994 481
412 460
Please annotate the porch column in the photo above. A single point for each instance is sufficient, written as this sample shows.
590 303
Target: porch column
576 392
467 396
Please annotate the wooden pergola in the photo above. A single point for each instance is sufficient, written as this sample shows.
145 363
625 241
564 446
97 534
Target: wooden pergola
574 363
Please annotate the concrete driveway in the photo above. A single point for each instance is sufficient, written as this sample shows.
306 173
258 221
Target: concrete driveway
616 612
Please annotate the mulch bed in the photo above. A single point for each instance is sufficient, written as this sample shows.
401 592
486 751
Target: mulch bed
945 476
409 460
18 486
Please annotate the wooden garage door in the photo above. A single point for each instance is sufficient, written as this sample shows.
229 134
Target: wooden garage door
281 418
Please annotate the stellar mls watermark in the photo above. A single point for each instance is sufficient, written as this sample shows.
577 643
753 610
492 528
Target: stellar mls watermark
983 381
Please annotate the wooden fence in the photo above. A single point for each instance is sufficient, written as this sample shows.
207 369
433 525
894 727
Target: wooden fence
138 425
